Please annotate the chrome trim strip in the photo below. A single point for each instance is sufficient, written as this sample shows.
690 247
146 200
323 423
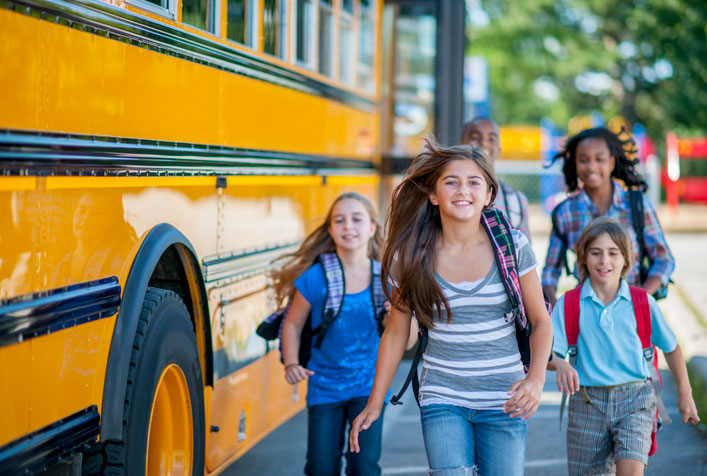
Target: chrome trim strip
102 19
45 312
227 268
42 448
50 152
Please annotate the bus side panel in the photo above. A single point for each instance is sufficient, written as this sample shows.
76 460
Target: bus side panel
251 396
109 88
51 239
14 391
67 371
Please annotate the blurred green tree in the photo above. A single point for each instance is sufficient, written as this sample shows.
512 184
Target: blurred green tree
643 59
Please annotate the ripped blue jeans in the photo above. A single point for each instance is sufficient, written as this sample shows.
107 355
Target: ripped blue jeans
460 441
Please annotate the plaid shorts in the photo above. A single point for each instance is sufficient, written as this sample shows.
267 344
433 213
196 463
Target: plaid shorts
617 424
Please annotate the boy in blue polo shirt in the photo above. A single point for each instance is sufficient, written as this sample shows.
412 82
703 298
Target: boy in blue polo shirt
613 402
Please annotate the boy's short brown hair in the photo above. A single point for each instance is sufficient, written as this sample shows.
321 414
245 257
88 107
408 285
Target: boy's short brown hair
618 233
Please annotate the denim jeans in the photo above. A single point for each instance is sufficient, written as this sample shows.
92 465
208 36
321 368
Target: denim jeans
460 441
328 429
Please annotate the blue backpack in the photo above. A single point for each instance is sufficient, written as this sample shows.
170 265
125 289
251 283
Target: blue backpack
271 327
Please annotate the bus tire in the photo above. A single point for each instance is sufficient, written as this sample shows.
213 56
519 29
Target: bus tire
104 459
163 417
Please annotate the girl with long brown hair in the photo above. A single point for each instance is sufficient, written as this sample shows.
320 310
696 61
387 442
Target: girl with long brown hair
474 397
340 372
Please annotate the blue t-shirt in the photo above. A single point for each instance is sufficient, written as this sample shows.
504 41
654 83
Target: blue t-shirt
608 348
345 365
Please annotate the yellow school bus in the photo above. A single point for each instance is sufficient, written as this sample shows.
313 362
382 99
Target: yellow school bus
155 157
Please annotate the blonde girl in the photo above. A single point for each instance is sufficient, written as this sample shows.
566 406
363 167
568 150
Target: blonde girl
340 373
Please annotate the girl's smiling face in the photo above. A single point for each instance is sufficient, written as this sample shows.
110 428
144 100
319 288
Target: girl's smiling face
605 263
461 191
594 163
351 227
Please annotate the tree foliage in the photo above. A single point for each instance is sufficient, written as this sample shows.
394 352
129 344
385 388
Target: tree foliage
643 59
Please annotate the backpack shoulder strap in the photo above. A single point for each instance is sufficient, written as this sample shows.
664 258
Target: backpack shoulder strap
335 288
377 295
572 302
499 232
638 223
562 236
514 214
642 310
572 316
412 373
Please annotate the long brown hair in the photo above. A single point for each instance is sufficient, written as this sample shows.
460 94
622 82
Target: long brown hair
319 242
618 233
414 226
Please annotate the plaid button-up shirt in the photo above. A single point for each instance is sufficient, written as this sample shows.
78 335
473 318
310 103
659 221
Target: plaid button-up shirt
578 210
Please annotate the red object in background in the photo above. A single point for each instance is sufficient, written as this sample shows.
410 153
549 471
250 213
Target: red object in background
688 189
693 148
693 189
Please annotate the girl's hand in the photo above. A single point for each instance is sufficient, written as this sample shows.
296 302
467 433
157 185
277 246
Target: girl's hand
525 398
362 422
295 373
567 378
688 409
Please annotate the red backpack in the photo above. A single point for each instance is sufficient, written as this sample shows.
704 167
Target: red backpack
642 311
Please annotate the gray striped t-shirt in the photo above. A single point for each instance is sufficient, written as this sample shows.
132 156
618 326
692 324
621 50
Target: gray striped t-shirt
472 361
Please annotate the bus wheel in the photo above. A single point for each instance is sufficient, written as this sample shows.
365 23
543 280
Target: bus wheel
164 423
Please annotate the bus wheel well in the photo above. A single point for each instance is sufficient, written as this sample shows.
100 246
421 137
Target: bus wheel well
178 271
170 274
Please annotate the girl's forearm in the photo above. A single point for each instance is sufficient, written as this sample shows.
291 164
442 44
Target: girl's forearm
676 364
540 347
290 344
390 353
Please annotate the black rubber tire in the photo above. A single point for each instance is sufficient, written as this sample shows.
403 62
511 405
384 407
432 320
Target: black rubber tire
165 335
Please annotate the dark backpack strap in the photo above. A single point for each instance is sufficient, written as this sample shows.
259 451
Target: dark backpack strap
335 286
572 331
507 190
412 373
638 223
505 199
642 310
561 236
377 295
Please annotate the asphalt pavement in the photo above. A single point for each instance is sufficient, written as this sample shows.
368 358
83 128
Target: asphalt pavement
682 449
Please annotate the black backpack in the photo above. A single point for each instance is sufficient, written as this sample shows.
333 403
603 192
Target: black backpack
637 223
271 327
498 228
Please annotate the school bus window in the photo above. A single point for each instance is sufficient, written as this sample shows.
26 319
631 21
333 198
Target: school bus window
161 7
275 27
326 27
197 13
242 22
366 46
346 58
236 24
304 32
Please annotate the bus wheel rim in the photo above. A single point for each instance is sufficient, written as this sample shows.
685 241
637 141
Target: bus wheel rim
170 434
